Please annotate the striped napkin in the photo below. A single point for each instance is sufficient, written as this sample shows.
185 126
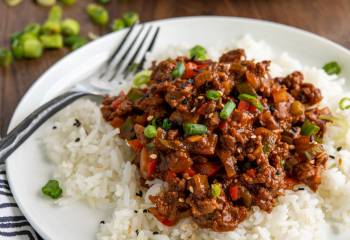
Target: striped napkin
13 225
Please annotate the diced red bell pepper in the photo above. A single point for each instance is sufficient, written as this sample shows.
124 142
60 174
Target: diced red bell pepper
190 70
223 126
234 192
207 168
118 100
243 106
135 145
190 172
251 172
202 108
151 167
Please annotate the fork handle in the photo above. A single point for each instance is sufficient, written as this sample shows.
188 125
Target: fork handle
34 120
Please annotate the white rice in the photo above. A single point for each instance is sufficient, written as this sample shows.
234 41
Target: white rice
96 169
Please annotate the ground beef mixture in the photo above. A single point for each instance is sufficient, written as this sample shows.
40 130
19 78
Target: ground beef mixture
224 135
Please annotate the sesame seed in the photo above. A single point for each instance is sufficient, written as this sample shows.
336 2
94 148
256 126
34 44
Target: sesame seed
190 188
135 211
145 210
153 156
200 97
102 222
149 118
253 136
54 127
76 123
339 148
181 200
137 232
210 115
155 233
331 156
77 140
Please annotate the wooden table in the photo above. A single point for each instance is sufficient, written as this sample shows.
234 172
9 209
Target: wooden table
328 18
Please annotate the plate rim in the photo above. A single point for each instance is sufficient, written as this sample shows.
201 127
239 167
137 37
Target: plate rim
42 77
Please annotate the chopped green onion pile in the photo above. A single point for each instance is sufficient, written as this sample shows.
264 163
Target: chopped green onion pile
227 110
52 189
179 70
194 129
332 68
198 52
309 129
344 103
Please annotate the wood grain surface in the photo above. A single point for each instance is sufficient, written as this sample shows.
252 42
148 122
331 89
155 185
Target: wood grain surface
328 18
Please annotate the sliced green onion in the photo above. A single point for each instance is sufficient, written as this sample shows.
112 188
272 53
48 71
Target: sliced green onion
52 189
55 14
69 2
135 94
344 103
51 27
32 48
12 3
142 78
252 100
227 110
5 57
309 129
32 28
52 41
130 18
118 24
213 94
179 70
46 3
103 1
198 52
246 88
150 131
328 118
97 14
332 68
74 41
194 129
216 190
166 125
70 27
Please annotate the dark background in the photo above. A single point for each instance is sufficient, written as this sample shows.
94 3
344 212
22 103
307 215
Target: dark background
328 18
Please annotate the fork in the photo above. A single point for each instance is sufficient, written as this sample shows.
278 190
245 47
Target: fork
117 66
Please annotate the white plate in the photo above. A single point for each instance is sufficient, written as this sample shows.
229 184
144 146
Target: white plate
28 168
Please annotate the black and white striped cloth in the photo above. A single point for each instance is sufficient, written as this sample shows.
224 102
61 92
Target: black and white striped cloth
13 226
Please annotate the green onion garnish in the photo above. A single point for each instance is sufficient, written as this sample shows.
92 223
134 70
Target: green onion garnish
179 70
309 129
216 190
252 100
332 68
344 103
142 78
194 129
213 94
150 131
227 110
52 189
198 52
166 125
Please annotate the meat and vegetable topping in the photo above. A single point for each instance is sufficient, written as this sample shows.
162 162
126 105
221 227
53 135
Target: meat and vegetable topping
224 135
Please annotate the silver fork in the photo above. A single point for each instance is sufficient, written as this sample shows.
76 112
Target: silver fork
118 66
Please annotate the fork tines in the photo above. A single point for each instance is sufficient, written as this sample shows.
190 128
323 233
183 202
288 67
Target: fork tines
130 55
